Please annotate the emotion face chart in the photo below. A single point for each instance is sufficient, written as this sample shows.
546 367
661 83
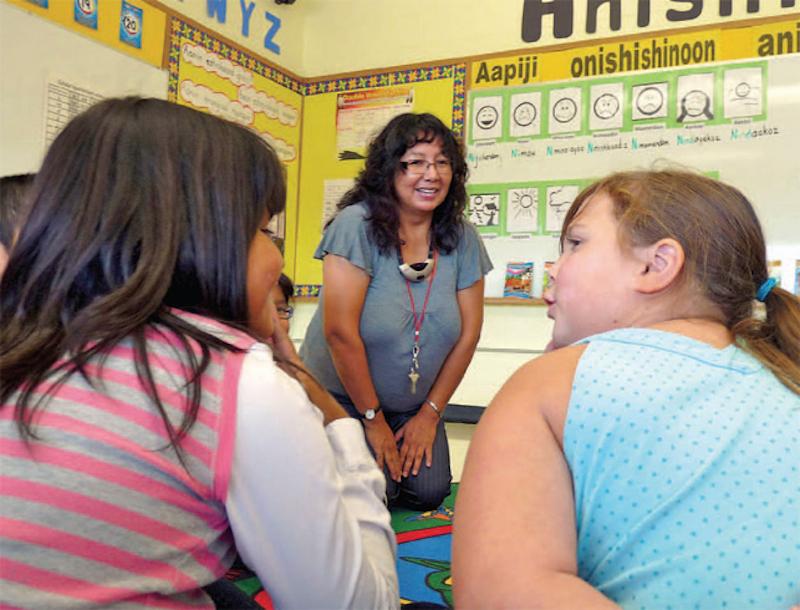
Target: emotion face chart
532 148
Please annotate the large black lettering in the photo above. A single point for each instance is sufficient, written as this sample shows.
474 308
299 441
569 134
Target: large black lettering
753 6
615 18
692 12
483 73
725 8
766 46
643 14
534 10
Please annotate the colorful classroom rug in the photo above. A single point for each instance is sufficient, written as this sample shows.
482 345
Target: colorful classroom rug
423 558
423 553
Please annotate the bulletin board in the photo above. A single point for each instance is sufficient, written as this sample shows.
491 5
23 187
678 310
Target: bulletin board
532 147
215 77
339 117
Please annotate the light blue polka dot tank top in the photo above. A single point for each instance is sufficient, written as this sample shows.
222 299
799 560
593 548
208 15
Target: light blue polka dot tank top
686 471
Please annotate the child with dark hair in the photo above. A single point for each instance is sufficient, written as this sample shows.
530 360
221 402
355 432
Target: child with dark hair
13 190
155 417
283 297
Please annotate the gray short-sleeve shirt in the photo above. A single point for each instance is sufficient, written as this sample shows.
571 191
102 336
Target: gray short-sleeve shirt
387 322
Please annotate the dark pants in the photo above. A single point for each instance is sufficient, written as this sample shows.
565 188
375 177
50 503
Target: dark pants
430 486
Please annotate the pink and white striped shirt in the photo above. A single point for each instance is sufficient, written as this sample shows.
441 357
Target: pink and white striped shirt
98 510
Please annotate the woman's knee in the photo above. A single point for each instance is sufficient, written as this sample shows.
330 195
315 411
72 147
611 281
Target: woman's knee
426 497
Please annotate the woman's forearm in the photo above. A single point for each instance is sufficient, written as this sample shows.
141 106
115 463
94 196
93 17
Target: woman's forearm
470 305
452 371
350 361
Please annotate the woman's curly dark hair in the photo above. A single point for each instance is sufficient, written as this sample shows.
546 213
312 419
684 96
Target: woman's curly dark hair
375 184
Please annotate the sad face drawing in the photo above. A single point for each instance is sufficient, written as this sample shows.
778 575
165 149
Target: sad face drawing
606 106
649 101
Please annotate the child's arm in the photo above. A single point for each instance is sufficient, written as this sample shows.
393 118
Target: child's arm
305 502
514 541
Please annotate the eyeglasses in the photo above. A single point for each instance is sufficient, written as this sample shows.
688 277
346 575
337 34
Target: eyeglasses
285 313
419 167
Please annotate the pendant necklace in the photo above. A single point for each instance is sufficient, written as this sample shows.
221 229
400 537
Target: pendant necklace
413 373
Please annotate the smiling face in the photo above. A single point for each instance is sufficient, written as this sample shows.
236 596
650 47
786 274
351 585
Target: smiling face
424 193
591 284
486 117
564 110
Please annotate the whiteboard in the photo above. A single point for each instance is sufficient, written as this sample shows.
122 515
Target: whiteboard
34 51
528 146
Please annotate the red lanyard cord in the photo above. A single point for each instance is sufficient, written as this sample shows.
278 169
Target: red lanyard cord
418 321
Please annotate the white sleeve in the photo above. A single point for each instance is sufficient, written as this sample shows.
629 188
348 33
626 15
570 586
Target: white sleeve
305 502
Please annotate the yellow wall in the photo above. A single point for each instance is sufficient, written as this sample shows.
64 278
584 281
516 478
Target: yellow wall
250 32
723 44
332 37
264 104
320 162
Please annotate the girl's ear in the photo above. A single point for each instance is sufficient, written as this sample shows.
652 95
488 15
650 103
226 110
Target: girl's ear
662 263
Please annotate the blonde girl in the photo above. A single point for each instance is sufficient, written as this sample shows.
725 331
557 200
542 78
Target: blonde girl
651 461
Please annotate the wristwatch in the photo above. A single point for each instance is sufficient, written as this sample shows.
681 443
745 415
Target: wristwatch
369 414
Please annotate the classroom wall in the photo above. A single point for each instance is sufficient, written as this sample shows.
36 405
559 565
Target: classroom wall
321 163
324 38
209 74
319 38
402 32
274 32
744 136
35 51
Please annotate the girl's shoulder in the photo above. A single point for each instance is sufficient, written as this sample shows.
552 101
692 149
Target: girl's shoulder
233 335
542 388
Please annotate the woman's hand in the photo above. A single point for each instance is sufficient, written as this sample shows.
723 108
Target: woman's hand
380 437
417 434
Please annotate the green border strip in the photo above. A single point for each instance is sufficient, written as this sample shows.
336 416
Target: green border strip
670 77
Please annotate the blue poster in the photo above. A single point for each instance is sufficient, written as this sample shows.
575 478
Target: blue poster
130 25
42 3
86 12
